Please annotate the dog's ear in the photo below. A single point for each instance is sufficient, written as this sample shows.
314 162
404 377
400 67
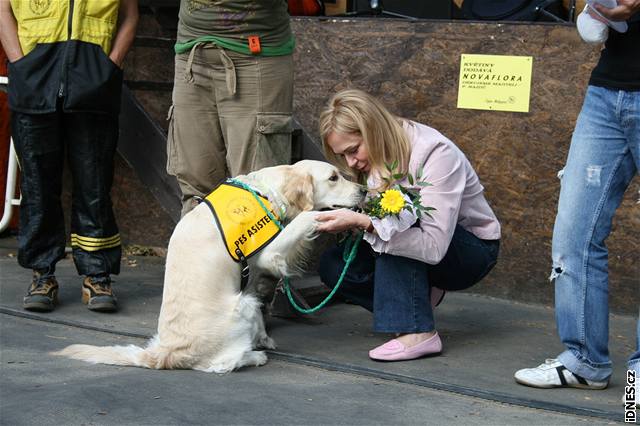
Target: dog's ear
299 191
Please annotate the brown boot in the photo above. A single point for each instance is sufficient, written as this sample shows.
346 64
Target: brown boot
98 295
43 293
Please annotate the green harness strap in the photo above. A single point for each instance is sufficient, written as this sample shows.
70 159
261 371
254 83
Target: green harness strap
350 251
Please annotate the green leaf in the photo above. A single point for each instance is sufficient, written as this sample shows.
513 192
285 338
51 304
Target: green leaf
389 167
394 165
424 184
398 176
419 173
410 179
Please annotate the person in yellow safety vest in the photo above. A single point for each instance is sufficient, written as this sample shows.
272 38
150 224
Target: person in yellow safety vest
65 80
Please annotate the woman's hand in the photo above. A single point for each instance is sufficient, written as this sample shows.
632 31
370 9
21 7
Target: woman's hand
342 220
623 11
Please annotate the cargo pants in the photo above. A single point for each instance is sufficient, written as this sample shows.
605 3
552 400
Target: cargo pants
231 114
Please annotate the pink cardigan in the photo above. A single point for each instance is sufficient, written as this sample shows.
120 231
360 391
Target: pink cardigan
456 193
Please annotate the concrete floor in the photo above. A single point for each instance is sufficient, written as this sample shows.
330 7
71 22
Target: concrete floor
320 373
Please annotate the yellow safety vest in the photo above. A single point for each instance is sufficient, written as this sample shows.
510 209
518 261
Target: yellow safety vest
47 21
242 221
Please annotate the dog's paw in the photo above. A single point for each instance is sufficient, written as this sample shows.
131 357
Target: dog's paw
219 367
256 358
266 343
253 359
313 233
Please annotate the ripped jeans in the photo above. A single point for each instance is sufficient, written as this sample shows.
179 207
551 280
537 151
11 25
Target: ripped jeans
603 158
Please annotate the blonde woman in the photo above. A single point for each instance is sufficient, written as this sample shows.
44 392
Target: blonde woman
396 275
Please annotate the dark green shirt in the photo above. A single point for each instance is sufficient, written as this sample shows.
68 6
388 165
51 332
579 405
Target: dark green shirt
229 23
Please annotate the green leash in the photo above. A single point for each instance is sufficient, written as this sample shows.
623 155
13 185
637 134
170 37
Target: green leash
350 251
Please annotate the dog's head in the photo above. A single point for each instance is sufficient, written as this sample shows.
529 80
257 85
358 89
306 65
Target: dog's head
311 185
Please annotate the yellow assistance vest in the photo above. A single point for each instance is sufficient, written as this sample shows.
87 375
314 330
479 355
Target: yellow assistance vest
242 221
47 21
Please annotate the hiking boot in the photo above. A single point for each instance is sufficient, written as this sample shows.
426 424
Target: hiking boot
98 295
43 293
552 374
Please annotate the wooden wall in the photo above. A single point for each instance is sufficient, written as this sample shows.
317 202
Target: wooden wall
413 67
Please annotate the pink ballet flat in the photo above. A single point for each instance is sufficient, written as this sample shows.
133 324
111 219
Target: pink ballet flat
394 350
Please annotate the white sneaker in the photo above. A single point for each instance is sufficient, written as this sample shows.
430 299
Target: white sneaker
552 374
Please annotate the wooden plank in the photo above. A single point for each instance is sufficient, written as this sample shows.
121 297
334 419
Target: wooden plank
338 7
413 68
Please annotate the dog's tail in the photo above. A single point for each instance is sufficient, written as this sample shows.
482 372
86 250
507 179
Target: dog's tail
130 355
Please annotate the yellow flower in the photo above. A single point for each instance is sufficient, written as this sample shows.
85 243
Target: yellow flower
392 201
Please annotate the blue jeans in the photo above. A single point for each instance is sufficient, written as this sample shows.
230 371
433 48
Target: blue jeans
397 289
603 158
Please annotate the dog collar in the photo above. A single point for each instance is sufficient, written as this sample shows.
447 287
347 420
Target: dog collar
273 196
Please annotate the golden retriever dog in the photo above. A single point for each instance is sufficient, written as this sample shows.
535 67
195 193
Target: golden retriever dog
206 322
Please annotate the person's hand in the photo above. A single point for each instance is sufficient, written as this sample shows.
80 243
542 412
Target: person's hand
118 61
623 11
341 220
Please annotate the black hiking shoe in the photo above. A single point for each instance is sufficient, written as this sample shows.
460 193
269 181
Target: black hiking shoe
98 295
43 293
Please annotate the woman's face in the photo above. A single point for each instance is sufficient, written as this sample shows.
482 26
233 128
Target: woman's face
352 147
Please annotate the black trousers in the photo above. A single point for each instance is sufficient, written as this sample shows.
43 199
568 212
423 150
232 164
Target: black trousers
88 141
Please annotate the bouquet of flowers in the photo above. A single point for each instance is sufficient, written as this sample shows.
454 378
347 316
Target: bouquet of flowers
397 208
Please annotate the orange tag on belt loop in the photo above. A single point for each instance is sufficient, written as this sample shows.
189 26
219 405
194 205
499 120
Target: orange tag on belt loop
254 45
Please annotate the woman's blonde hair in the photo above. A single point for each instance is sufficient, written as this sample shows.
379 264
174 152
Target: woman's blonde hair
355 111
